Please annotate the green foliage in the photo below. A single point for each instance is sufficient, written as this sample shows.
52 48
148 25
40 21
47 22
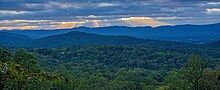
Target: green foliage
193 72
18 71
194 76
110 67
124 67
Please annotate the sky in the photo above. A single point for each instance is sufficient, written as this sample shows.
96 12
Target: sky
59 14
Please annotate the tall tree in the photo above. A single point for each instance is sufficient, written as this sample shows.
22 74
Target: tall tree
194 69
189 76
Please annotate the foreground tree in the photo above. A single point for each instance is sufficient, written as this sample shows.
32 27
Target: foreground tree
194 69
19 71
193 76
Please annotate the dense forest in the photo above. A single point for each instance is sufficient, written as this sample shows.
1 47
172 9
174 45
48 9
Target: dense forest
111 67
19 71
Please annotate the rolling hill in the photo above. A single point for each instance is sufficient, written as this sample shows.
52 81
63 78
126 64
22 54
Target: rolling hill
80 38
13 40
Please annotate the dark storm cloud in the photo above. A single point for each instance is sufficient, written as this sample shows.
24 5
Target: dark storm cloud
108 9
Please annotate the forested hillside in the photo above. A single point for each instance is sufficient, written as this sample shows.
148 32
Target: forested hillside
109 44
84 61
143 67
19 71
131 67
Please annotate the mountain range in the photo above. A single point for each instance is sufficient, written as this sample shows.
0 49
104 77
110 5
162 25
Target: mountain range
76 38
66 39
182 33
111 35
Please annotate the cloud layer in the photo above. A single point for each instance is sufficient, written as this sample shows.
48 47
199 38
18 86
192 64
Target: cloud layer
76 13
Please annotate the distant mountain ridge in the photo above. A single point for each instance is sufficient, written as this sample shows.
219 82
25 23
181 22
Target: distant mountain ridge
12 40
82 38
37 33
75 38
182 33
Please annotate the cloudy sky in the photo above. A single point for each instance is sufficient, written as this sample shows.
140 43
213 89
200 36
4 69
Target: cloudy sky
54 14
